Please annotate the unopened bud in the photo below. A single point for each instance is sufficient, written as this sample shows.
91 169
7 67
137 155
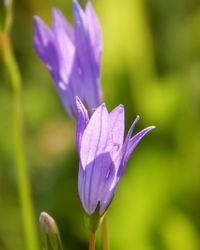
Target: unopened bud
50 232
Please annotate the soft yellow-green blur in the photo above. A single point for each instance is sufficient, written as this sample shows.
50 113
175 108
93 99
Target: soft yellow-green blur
151 64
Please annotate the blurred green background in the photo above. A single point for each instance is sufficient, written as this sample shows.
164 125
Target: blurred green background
151 64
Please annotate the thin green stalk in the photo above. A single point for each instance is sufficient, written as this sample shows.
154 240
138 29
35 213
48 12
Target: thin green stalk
21 168
104 233
92 240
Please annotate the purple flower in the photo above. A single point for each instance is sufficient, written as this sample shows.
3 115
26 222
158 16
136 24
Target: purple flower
72 55
103 154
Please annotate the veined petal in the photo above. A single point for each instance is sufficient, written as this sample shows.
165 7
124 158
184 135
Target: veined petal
117 128
85 57
82 121
125 146
81 186
94 182
64 39
94 29
129 146
107 198
98 178
47 49
95 136
60 19
44 45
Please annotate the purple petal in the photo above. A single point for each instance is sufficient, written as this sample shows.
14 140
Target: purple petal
94 29
101 178
82 121
108 196
60 19
47 49
97 165
68 83
44 45
125 146
129 146
117 128
64 45
85 57
95 137
94 182
81 187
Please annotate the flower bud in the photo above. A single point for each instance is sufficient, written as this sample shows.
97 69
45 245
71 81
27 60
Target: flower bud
50 233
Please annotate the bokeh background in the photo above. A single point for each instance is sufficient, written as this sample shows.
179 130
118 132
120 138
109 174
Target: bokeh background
151 64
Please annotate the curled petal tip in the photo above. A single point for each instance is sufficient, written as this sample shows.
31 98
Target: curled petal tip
76 3
78 13
103 106
43 215
150 128
121 106
36 19
78 100
137 118
88 4
55 11
133 125
79 104
121 109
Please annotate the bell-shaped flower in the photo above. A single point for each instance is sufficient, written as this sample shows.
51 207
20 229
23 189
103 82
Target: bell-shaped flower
103 154
72 55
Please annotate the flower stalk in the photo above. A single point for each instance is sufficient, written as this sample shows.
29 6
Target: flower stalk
104 233
92 240
22 177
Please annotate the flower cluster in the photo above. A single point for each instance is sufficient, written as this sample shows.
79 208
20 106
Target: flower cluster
72 56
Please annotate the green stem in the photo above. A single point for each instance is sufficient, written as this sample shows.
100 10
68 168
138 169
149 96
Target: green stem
104 233
22 177
92 240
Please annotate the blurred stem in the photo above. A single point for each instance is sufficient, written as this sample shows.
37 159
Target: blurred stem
22 177
92 239
104 233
